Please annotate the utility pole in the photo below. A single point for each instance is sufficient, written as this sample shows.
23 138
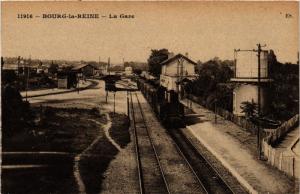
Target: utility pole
108 66
124 64
127 104
24 67
29 64
78 80
114 102
259 50
2 63
18 65
216 105
259 100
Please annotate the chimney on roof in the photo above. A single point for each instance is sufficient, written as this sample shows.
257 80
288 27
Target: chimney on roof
170 55
187 54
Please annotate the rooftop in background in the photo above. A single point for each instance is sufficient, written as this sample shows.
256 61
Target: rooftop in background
169 60
99 65
14 66
81 66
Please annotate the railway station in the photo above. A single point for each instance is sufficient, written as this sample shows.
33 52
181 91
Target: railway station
150 97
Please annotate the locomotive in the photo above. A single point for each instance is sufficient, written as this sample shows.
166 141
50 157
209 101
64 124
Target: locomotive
166 105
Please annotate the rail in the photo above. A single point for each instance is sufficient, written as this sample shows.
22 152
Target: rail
218 182
141 172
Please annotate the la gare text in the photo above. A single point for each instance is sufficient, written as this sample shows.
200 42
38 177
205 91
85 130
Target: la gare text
75 16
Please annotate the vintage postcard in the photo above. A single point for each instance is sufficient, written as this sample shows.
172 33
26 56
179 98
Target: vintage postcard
150 97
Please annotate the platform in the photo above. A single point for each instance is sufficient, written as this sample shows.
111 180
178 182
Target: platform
234 147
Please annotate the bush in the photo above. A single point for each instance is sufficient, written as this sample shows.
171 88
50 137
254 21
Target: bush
16 114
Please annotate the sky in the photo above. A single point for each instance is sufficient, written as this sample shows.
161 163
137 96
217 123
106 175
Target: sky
204 30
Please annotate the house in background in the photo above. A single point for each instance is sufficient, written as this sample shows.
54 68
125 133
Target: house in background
10 67
128 71
84 70
42 69
246 80
175 70
66 79
100 68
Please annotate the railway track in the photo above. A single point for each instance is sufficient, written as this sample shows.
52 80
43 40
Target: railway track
151 175
152 178
210 178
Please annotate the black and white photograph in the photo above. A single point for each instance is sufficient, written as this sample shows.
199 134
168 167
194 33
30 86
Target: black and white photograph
150 97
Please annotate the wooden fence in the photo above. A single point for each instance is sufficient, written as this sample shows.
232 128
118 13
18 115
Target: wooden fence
240 121
275 135
284 160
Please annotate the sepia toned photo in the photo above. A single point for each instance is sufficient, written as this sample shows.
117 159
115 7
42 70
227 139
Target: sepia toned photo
181 97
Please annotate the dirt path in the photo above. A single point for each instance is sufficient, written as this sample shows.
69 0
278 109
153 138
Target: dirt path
106 128
106 131
77 159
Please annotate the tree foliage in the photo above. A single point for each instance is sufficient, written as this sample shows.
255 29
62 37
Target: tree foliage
212 75
15 112
284 89
53 68
249 108
154 60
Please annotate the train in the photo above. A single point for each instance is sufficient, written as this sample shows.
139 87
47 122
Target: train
165 104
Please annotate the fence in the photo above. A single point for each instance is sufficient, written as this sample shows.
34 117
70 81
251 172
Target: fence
240 121
275 135
284 160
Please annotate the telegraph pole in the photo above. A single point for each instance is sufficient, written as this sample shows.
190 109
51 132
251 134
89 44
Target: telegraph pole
216 104
259 101
114 102
18 66
108 66
259 50
2 63
29 64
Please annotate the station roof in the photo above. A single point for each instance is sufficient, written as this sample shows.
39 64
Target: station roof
176 57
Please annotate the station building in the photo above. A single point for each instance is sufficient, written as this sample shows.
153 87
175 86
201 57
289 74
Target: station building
175 70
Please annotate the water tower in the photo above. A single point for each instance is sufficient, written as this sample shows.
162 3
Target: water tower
246 79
